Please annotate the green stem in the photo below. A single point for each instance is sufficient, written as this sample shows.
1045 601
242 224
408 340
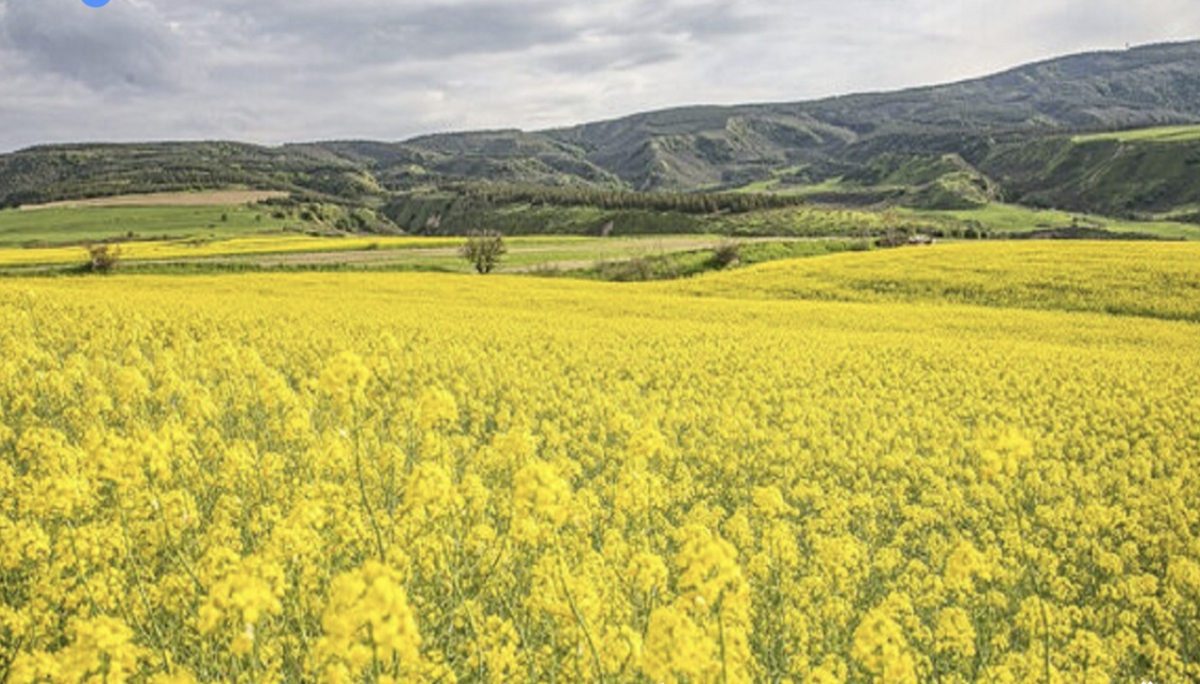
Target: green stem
362 488
141 590
582 625
1035 576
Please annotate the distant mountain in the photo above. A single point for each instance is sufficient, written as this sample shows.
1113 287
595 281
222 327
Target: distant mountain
1009 135
692 147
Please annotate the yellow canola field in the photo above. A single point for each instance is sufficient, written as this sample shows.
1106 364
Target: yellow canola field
435 478
193 249
1154 279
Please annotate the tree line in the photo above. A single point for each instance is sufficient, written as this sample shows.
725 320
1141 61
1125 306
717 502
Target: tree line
498 194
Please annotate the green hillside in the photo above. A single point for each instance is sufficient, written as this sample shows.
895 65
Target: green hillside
1163 134
60 172
1142 173
1108 133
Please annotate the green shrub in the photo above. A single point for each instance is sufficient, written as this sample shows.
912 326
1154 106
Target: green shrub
103 257
483 249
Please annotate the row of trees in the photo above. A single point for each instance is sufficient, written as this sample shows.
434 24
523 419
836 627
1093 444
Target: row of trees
614 199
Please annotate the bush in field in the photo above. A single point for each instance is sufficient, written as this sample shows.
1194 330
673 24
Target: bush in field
103 257
726 254
483 249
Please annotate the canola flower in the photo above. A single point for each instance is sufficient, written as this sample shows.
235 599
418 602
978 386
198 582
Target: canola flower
1157 280
418 478
188 248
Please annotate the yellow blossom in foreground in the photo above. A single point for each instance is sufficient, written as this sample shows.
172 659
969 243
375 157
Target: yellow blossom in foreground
388 477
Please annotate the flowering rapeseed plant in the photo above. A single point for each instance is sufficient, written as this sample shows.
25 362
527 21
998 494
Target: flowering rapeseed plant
416 478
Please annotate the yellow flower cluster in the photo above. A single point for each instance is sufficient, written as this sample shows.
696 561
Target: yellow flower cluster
430 478
232 247
1154 279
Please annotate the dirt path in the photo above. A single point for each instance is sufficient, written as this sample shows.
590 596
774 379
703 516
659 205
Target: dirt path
166 199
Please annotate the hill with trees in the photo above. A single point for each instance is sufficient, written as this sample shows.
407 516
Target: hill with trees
1050 134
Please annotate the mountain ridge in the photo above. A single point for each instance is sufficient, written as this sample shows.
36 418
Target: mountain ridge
1001 126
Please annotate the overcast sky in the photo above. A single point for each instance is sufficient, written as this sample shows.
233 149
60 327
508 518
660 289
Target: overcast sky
271 71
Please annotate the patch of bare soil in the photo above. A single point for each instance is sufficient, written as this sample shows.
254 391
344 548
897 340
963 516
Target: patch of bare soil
167 199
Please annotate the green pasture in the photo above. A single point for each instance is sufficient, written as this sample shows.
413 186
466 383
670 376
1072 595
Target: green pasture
72 225
1160 134
525 254
1000 219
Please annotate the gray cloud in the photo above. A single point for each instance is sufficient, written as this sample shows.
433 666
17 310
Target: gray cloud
129 46
374 33
276 70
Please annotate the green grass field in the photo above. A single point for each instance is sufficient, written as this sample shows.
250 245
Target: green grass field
779 185
219 237
1164 134
66 225
525 253
1002 219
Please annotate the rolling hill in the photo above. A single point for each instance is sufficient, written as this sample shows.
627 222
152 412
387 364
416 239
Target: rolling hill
1035 134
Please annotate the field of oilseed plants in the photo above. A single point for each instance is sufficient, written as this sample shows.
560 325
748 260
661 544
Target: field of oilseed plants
955 464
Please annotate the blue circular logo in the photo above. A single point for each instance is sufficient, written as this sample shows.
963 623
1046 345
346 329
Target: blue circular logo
95 3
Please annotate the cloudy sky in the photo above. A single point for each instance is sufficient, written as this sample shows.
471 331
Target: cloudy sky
271 71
